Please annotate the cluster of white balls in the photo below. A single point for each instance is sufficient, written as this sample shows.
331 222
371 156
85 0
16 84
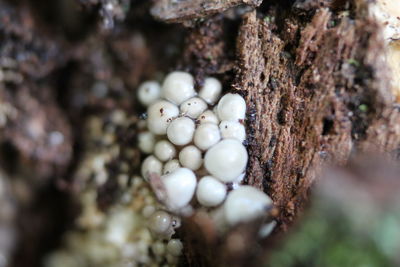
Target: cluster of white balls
194 141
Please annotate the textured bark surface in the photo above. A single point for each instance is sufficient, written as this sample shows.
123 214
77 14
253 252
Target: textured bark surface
34 120
304 103
317 92
184 11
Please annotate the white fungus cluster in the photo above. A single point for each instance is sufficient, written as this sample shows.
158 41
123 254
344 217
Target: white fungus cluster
134 230
194 146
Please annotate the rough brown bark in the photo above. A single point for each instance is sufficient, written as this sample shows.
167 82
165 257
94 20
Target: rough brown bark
307 86
304 103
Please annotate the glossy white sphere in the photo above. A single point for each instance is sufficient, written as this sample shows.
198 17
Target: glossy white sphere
244 204
164 150
151 165
193 107
210 192
160 115
149 92
208 116
211 90
206 135
232 129
190 157
146 142
180 131
226 160
160 222
174 247
178 86
180 186
171 166
231 107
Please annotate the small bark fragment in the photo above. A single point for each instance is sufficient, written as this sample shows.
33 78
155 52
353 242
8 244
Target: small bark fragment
180 11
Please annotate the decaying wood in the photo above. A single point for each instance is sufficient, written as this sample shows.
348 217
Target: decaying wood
299 105
315 96
184 10
35 124
206 51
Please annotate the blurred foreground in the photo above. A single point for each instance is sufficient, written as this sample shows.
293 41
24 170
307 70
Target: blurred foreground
354 220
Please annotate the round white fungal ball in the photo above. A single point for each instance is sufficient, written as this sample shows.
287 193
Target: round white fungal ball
190 157
245 204
226 160
149 92
146 142
180 131
174 247
164 150
171 260
179 186
206 135
158 248
151 165
211 90
178 86
232 129
148 211
208 116
160 115
231 107
210 192
171 166
193 107
160 222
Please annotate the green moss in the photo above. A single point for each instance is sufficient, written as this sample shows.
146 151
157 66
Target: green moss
353 62
363 108
330 239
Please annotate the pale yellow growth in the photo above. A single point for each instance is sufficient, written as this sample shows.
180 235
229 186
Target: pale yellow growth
393 60
387 12
390 6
